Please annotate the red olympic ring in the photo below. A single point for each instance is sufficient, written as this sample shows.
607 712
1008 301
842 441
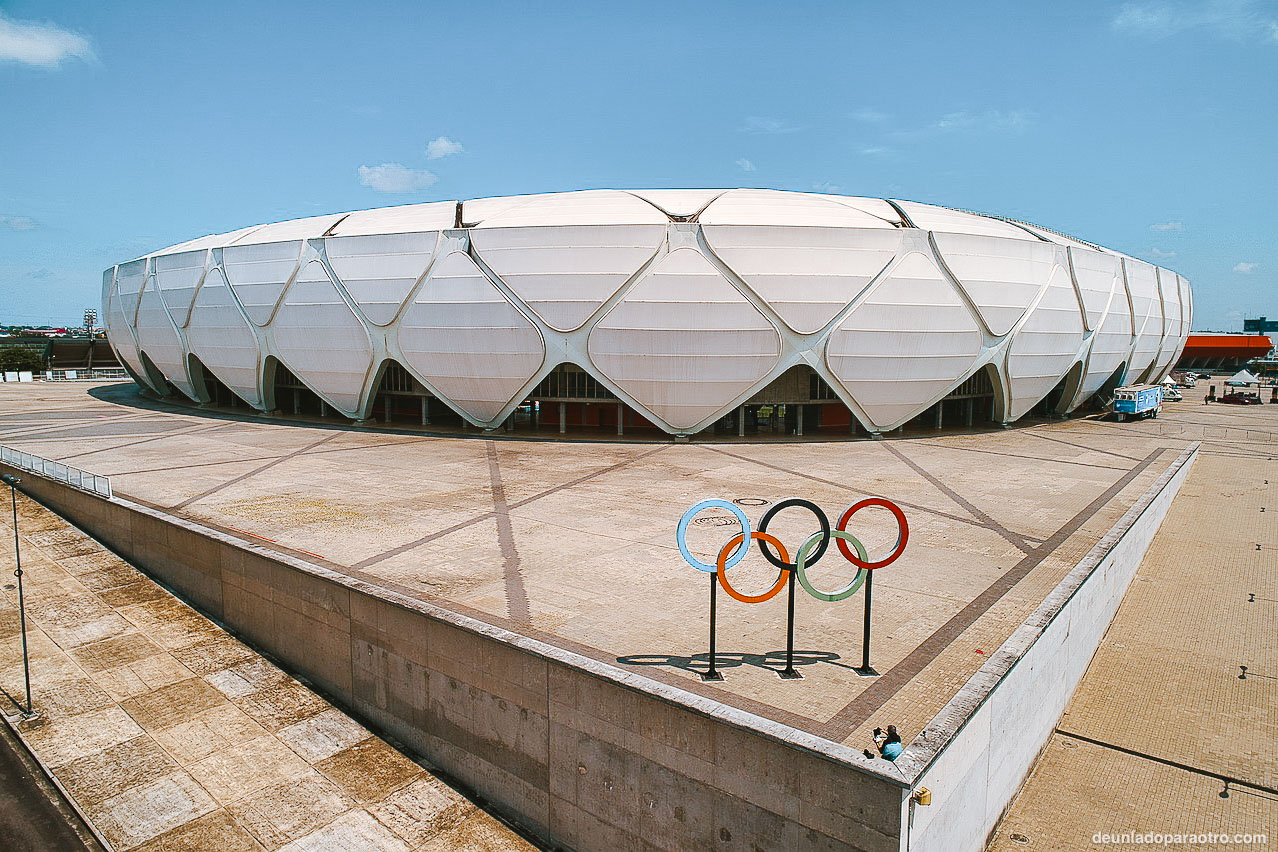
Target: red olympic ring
731 546
902 537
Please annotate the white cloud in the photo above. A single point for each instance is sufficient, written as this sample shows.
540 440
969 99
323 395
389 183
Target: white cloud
1159 254
1246 268
442 147
825 187
874 150
394 177
745 165
17 223
870 116
1167 226
1236 20
43 45
983 121
757 125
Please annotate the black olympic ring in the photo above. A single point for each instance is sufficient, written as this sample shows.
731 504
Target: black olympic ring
786 504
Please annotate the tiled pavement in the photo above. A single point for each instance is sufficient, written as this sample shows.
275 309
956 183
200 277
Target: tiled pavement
168 734
1163 724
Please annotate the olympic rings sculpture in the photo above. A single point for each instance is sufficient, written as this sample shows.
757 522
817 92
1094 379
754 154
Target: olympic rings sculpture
810 551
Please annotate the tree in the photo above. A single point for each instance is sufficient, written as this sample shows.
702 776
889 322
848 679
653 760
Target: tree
20 358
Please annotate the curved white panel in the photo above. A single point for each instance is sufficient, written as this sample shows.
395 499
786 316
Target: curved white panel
931 218
678 202
806 274
1142 284
321 341
223 340
409 218
379 271
1111 344
1169 290
129 279
1097 274
464 337
1045 346
158 338
178 277
565 274
875 207
121 337
774 207
1002 277
590 207
1186 310
684 342
293 229
258 274
906 345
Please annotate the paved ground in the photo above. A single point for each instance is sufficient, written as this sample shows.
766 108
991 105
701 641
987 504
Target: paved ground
170 735
1164 724
573 543
33 813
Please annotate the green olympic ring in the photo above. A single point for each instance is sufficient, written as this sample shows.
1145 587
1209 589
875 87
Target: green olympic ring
801 558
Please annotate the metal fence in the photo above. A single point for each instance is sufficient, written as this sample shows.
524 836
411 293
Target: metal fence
73 476
80 375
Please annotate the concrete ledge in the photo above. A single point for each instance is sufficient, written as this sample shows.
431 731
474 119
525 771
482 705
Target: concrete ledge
981 746
581 753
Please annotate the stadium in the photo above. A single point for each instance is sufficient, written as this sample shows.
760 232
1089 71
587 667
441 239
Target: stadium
733 311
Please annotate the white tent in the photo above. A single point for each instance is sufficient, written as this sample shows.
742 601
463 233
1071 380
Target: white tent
1169 381
1242 379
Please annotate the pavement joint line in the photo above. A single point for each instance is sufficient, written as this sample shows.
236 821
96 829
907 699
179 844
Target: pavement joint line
957 448
1175 764
840 485
63 426
516 595
255 471
864 705
1033 433
461 525
1015 539
194 429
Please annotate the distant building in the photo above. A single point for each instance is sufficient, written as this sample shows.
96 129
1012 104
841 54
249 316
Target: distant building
1223 351
1260 325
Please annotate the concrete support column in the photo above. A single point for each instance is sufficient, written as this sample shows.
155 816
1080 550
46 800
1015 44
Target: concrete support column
621 418
799 423
386 409
971 410
323 409
741 421
425 411
563 417
510 423
939 408
297 401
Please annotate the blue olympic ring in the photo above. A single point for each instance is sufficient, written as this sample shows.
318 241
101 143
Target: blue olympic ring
681 534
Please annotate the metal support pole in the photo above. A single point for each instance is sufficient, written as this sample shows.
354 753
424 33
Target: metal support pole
939 408
563 417
297 401
22 606
712 673
740 421
621 418
425 411
788 672
866 670
971 410
799 423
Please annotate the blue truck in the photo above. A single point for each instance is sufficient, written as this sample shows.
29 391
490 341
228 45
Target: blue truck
1138 401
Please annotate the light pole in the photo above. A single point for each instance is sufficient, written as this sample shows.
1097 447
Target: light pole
12 482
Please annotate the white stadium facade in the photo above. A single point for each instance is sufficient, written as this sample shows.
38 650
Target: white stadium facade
671 310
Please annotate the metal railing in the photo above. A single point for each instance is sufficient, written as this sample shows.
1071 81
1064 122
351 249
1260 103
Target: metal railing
50 469
80 375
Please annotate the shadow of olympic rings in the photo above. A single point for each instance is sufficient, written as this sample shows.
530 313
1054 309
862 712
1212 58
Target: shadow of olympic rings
700 663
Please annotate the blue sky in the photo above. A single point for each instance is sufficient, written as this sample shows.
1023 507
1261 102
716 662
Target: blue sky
1149 127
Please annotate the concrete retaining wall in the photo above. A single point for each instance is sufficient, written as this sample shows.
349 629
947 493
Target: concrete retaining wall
1012 704
581 753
